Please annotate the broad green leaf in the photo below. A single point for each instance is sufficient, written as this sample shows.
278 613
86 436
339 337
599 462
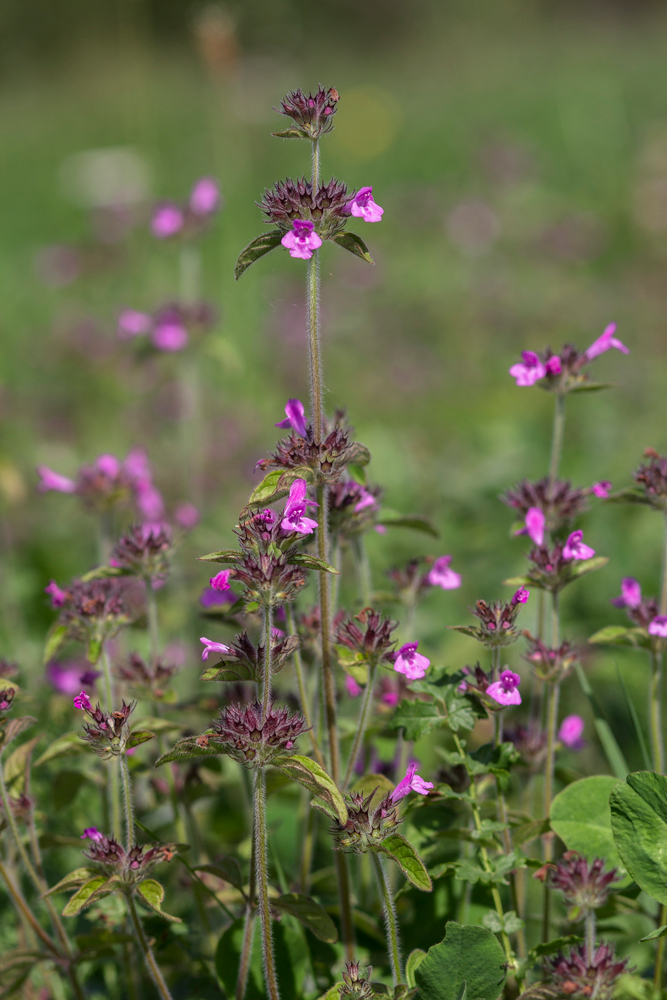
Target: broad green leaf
138 737
228 869
275 486
657 933
469 958
95 888
415 521
353 243
77 877
587 566
189 748
580 816
229 556
403 853
230 673
416 718
152 893
309 913
54 640
639 824
415 959
312 562
619 635
261 245
557 944
68 743
313 777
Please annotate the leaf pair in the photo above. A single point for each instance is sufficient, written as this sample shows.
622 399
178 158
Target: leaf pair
267 242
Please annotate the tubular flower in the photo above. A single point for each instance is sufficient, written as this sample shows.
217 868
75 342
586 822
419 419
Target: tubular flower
411 663
170 219
528 371
564 371
410 783
363 207
631 594
534 528
550 664
351 686
301 240
441 575
296 417
601 489
575 548
506 690
6 699
57 595
294 518
213 647
605 342
658 626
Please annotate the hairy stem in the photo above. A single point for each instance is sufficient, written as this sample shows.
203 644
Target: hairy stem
127 800
391 923
147 951
557 438
314 358
151 613
361 725
303 696
328 682
316 163
113 785
590 936
246 953
262 877
266 678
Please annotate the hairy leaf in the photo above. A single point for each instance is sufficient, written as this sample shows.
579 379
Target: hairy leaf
309 913
75 878
353 243
312 562
313 777
469 959
189 747
403 853
138 737
68 743
228 869
415 959
580 816
619 635
588 565
257 248
275 486
152 893
229 556
96 888
416 718
415 521
292 133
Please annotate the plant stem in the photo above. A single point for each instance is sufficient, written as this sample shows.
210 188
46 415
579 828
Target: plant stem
363 567
654 712
22 906
266 679
153 967
113 779
151 613
361 725
315 361
557 438
328 683
248 929
660 952
127 799
262 877
390 920
303 696
590 936
553 695
315 163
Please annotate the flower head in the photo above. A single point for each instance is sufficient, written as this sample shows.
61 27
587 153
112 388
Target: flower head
556 500
550 664
658 626
353 508
296 417
363 207
294 518
313 113
148 678
301 240
144 551
571 732
575 548
505 691
94 610
56 594
498 622
411 783
131 866
585 885
605 342
255 743
528 371
108 732
440 574
367 825
601 489
652 479
411 663
369 636
582 977
356 983
631 594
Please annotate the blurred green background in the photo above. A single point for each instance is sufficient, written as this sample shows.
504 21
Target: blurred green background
520 152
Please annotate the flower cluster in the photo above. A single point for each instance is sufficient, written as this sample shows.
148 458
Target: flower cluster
130 866
585 885
108 732
246 659
109 483
498 620
557 501
242 734
366 827
6 699
372 642
328 459
550 664
292 201
93 611
312 113
553 568
170 219
563 372
357 983
578 976
149 679
144 551
652 479
353 508
169 328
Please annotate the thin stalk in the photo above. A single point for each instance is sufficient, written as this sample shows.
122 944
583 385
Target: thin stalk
248 931
391 923
266 679
363 568
315 361
262 876
328 682
654 712
149 957
23 908
303 696
660 952
663 587
557 438
308 845
361 725
345 904
151 613
127 799
553 695
113 781
590 936
315 160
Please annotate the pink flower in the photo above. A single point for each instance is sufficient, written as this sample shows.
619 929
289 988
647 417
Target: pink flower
213 647
575 547
505 691
534 526
108 465
363 207
367 500
553 365
67 678
149 501
605 342
440 575
530 371
390 698
205 196
51 480
410 783
301 241
132 323
137 466
92 833
187 516
351 686
168 219
521 596
294 514
411 663
296 417
221 580
571 731
631 593
658 626
169 333
57 595
381 529
82 701
601 489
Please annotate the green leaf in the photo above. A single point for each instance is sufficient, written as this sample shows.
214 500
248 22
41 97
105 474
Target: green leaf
226 868
465 629
312 562
313 777
591 386
54 640
275 486
138 737
657 933
639 824
632 712
228 673
261 245
292 133
631 494
416 718
353 243
68 743
518 581
415 959
229 556
558 944
357 454
96 888
104 572
587 566
157 725
152 893
188 749
580 816
369 782
334 992
469 958
309 913
17 766
93 650
618 635
403 853
509 922
227 961
415 521
75 878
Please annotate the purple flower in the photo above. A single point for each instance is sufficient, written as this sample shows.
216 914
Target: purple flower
411 663
294 514
631 593
108 465
132 323
521 596
168 219
187 516
604 343
570 732
57 595
67 678
553 365
440 575
601 489
296 417
351 686
301 241
363 207
390 698
534 527
169 333
221 580
149 500
50 480
530 371
505 691
205 196
367 500
410 783
82 701
213 647
92 833
658 626
576 549
211 598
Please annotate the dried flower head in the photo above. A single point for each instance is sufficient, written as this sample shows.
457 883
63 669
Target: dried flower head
578 976
585 885
95 610
144 551
241 660
557 499
312 113
353 508
149 678
550 664
107 732
328 459
370 639
130 866
356 983
366 826
254 743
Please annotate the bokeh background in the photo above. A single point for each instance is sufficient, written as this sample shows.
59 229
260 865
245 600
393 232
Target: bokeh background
520 152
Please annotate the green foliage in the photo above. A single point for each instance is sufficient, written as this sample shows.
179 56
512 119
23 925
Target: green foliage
403 853
353 243
309 913
639 824
313 777
152 893
190 749
468 960
90 892
417 522
257 248
580 816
